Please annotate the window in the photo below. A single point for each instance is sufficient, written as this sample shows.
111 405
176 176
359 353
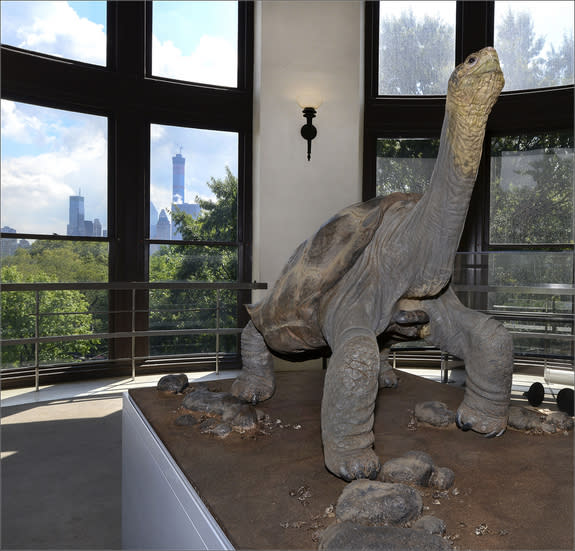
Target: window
416 47
519 230
71 30
87 161
405 164
534 41
195 41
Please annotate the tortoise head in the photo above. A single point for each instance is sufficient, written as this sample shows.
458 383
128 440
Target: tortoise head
473 89
475 85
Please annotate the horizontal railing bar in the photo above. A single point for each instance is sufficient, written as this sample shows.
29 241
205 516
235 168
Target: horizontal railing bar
138 285
543 289
123 335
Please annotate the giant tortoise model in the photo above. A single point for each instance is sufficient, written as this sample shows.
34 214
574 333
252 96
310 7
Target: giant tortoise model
383 268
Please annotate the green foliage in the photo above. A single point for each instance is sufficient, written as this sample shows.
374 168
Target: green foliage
61 313
415 56
405 164
532 189
179 309
520 52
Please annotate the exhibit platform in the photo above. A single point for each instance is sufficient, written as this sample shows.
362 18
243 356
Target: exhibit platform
272 491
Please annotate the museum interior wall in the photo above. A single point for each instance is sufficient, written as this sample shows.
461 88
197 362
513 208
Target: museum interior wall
304 49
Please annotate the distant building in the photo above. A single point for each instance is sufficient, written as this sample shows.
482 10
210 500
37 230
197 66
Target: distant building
77 225
9 246
76 216
178 178
163 226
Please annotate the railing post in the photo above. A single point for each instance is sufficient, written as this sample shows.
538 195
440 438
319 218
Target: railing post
217 331
36 344
133 352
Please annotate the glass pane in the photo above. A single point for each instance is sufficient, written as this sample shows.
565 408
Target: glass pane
405 164
416 47
61 313
45 261
54 171
193 308
532 189
73 30
196 41
534 41
194 187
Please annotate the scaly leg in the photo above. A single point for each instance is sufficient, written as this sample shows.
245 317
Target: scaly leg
487 350
350 391
256 382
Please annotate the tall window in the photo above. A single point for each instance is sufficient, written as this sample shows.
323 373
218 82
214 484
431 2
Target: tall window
520 226
118 117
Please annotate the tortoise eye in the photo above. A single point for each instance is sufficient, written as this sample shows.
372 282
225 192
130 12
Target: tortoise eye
471 60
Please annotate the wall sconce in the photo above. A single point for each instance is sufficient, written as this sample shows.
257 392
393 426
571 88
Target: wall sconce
309 105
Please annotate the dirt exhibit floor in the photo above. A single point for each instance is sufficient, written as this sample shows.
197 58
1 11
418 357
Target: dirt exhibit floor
272 491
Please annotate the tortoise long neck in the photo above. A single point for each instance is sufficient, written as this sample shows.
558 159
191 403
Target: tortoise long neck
436 223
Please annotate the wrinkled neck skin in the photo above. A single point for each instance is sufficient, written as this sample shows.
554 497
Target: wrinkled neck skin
433 228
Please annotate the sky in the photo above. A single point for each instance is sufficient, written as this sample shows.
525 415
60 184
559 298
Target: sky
50 154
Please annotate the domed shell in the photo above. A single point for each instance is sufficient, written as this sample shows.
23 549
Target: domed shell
288 316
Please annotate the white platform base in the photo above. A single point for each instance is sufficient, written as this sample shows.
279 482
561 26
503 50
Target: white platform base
160 508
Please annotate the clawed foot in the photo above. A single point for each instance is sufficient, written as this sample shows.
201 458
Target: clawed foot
489 426
353 464
253 389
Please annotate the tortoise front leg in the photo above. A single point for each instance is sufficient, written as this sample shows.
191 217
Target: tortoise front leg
350 391
487 350
256 382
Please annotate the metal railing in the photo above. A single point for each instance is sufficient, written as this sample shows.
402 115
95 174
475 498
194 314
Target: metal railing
133 333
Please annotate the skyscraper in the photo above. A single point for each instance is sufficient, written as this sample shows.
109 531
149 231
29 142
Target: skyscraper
178 185
76 216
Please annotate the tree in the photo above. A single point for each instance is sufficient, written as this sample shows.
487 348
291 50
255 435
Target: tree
416 56
61 313
210 263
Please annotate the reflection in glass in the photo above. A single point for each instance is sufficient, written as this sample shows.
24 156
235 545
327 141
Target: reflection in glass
54 171
196 41
193 188
416 47
72 30
532 189
534 41
405 164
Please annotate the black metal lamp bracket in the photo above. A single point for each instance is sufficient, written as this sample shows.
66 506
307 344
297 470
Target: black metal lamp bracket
308 130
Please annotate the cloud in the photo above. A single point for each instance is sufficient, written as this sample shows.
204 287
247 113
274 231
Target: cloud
214 61
47 155
54 28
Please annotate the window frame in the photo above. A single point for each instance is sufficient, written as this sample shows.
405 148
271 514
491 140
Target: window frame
549 109
516 112
125 92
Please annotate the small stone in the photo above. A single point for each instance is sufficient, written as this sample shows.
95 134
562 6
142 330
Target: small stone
241 416
524 419
173 383
561 420
430 524
348 535
221 430
442 478
409 469
434 413
374 503
186 420
207 425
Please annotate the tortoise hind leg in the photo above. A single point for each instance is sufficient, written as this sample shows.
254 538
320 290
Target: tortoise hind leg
256 382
